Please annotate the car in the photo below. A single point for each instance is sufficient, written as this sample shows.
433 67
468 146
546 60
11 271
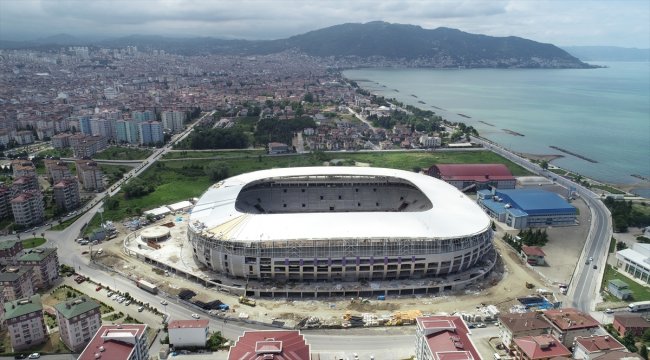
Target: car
127 303
98 288
110 293
163 302
20 356
591 259
141 308
609 311
196 316
35 356
595 266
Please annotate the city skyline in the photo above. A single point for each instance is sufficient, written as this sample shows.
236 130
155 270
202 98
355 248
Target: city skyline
563 23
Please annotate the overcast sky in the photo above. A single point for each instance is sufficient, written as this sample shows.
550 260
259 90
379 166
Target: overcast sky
561 22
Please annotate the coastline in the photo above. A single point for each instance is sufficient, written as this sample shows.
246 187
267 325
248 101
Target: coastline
456 117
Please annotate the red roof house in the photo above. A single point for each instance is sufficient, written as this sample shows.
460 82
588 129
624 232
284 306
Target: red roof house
270 345
635 323
444 338
481 176
534 255
539 347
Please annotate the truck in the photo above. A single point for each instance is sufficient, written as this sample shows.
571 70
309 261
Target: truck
247 301
639 306
145 285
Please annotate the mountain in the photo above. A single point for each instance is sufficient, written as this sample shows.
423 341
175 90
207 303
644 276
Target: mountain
366 44
59 39
608 53
447 46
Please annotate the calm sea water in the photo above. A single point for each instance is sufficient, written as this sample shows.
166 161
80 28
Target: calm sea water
602 114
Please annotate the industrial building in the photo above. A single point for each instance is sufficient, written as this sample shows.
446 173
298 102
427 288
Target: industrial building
526 208
474 176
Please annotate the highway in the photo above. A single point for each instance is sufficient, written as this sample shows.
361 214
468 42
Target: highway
585 282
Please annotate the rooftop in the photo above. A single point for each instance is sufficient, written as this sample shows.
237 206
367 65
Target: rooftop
4 245
20 307
570 319
531 200
270 345
188 324
632 320
452 215
114 342
37 254
599 343
447 337
541 346
519 322
76 307
533 250
476 172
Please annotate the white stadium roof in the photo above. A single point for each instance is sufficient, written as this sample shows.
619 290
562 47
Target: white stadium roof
452 215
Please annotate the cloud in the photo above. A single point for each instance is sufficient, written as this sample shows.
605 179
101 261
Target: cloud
581 22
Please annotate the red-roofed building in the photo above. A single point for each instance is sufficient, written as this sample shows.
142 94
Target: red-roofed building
533 255
117 342
482 176
443 338
188 333
540 347
635 323
270 345
516 325
570 323
591 347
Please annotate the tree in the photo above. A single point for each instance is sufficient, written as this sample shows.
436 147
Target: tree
544 164
215 341
216 171
621 246
643 351
646 335
628 342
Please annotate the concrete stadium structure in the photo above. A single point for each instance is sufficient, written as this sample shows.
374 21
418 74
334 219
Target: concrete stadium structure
339 224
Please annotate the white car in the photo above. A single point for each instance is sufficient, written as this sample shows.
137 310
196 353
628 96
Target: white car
196 316
35 356
163 302
127 303
141 308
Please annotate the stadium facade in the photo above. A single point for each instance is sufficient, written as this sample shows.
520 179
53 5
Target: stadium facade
337 224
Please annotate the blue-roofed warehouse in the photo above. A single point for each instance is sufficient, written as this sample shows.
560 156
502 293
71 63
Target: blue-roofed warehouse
524 208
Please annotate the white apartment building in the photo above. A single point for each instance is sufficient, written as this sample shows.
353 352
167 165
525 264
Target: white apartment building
188 333
28 208
90 175
78 321
173 120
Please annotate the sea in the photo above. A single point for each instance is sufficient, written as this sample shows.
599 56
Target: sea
601 115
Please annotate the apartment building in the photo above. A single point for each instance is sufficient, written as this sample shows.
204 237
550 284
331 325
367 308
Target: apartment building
25 323
117 342
188 333
569 323
270 344
16 282
61 141
78 321
89 146
22 167
90 175
24 183
5 202
521 324
66 194
57 170
127 131
151 133
28 208
44 265
440 337
173 120
9 250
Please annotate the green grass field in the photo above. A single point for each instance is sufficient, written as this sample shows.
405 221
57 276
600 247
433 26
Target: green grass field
190 154
33 242
639 292
181 180
123 153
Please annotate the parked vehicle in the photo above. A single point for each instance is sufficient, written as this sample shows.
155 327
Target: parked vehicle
639 306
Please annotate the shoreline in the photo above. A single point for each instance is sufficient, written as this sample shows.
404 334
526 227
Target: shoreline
449 116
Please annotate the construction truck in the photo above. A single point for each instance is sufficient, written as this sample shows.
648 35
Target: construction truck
247 301
145 285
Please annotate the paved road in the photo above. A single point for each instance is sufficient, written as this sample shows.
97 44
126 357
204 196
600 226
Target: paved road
585 283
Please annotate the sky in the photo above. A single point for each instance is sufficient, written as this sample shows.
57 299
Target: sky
561 22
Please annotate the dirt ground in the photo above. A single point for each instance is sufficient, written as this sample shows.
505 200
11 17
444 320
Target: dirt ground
501 289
